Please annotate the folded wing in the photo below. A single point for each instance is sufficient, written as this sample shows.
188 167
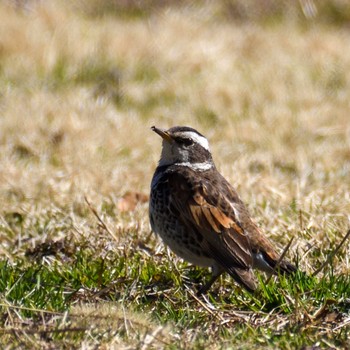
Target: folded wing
213 218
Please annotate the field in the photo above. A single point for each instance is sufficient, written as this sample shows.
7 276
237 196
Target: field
82 82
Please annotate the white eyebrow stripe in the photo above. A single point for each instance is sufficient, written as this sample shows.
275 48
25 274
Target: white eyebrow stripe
199 139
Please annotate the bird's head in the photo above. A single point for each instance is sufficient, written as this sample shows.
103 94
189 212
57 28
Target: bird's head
183 145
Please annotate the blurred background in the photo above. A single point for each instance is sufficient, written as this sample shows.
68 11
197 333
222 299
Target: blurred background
82 82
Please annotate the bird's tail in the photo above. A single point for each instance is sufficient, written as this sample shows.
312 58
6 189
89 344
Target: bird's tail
279 266
285 267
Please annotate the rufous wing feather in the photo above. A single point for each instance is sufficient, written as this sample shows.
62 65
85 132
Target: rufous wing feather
223 237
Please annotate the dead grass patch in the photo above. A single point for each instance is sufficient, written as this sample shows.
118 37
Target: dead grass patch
78 95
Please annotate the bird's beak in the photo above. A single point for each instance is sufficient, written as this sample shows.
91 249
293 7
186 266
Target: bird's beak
163 133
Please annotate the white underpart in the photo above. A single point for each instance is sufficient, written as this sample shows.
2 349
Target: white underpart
260 263
197 138
197 166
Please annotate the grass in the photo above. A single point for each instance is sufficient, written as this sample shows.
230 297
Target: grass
79 90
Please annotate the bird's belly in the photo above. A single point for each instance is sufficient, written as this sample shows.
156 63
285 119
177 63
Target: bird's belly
190 254
176 236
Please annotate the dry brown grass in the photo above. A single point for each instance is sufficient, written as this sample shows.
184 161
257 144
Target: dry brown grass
79 94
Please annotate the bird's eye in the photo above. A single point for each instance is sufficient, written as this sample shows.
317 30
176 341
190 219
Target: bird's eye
185 141
189 142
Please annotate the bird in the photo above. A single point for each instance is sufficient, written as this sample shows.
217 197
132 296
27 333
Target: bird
200 216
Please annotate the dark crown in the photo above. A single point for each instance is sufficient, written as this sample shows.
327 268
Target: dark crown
178 129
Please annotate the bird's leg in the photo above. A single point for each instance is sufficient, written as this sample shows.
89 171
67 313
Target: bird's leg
216 273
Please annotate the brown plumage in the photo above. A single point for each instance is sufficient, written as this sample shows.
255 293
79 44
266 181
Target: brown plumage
200 216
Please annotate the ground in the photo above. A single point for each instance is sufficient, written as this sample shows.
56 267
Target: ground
82 82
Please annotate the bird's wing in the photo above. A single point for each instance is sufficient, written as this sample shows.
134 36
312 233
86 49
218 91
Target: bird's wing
212 217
